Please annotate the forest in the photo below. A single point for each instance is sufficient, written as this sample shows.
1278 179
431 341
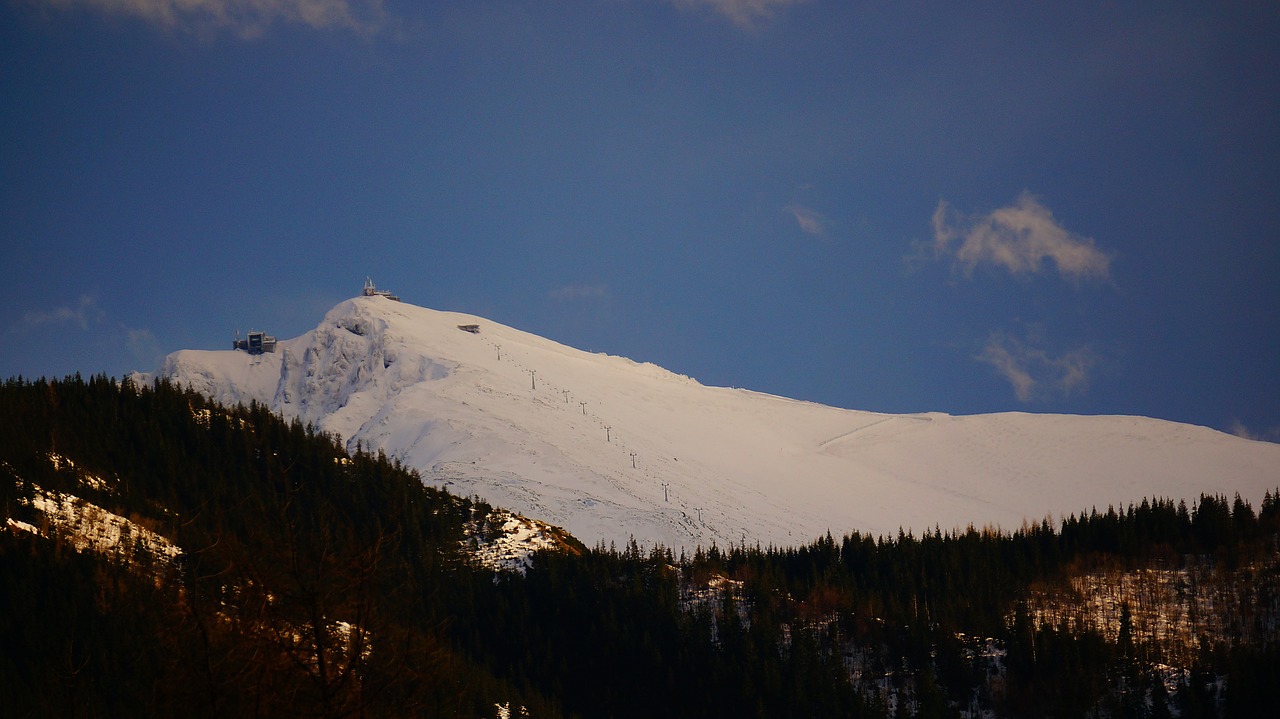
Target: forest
307 581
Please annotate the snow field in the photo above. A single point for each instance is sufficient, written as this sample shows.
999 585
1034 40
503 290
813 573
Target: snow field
612 449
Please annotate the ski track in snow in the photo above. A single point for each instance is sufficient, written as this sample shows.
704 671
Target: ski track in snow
588 441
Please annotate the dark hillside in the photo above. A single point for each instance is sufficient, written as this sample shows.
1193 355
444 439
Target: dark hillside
309 583
253 568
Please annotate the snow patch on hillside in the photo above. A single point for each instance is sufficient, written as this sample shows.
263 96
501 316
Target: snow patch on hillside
506 542
90 527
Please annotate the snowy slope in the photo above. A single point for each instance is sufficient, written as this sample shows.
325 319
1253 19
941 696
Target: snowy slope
588 441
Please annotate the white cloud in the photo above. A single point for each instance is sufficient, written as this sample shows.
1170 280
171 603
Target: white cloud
811 222
743 13
83 313
1019 238
246 18
1033 373
579 292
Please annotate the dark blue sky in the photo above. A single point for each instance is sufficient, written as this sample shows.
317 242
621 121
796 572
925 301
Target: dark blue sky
963 207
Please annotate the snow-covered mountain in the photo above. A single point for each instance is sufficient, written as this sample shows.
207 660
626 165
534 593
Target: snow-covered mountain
612 449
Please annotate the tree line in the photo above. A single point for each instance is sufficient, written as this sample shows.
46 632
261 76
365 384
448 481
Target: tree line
317 582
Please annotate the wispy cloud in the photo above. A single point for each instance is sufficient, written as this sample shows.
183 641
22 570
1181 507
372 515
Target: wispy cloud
1033 373
144 347
1271 434
82 314
570 293
811 221
743 13
1021 238
244 18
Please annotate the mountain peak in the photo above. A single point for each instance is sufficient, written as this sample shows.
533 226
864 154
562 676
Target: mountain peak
613 449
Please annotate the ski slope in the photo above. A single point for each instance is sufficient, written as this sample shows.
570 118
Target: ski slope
612 449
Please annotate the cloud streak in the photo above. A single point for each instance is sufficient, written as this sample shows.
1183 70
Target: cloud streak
1270 434
811 222
82 314
245 18
1033 373
1022 238
743 13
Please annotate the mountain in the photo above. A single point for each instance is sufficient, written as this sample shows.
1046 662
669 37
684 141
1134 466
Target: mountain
612 449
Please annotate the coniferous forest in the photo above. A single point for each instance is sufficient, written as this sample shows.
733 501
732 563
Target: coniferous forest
304 581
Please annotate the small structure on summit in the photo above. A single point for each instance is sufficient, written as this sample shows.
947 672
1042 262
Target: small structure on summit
370 290
255 343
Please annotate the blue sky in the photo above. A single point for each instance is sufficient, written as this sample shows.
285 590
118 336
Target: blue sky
893 206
